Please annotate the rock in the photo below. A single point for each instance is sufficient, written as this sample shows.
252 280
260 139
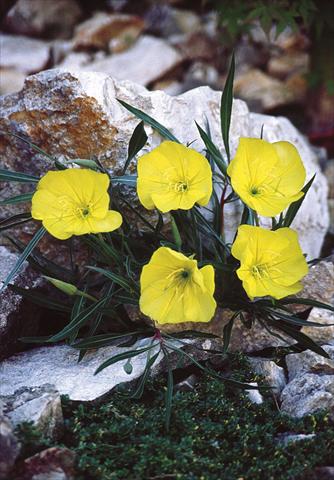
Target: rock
39 405
26 55
165 21
9 448
310 362
58 365
76 114
171 87
311 383
55 463
187 385
43 18
248 56
18 317
187 21
199 74
146 61
329 173
319 282
272 373
307 394
261 91
11 80
254 395
288 64
197 46
320 334
116 31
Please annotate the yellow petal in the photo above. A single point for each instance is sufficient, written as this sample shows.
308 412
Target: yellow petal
109 223
292 173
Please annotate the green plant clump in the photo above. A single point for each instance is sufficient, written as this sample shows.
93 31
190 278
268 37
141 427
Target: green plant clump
215 433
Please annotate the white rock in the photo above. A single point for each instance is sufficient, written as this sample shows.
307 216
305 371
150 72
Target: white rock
310 362
146 61
41 406
24 54
308 393
321 334
254 395
273 374
58 365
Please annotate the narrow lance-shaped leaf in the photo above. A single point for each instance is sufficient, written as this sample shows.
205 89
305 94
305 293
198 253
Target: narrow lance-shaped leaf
226 107
295 206
136 143
164 132
9 176
129 180
24 255
80 319
118 279
142 382
212 149
123 356
25 197
14 220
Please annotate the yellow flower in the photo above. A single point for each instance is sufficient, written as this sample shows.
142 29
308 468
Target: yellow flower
173 177
74 202
272 262
267 176
175 290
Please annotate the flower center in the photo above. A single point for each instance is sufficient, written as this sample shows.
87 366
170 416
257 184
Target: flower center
185 274
260 271
83 211
255 191
181 187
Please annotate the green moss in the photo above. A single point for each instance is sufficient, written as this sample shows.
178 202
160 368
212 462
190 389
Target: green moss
216 433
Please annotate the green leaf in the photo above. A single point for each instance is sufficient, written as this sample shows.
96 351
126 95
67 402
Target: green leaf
164 132
140 389
9 176
127 367
25 197
306 301
130 180
136 143
84 162
14 220
296 320
105 340
227 331
122 356
301 338
169 391
226 107
24 255
176 233
295 206
82 318
118 279
212 149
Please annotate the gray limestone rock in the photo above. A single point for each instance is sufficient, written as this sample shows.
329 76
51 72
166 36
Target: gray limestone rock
39 405
272 373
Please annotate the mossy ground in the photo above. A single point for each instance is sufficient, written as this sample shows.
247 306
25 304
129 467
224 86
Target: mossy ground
216 434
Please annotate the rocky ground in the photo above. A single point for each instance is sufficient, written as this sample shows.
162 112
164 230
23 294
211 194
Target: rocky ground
61 75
